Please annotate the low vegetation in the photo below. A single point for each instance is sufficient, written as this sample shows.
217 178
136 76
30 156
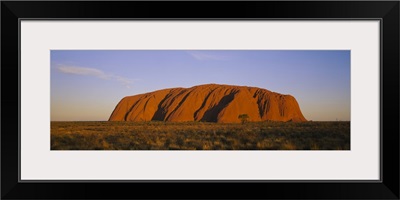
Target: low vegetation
200 136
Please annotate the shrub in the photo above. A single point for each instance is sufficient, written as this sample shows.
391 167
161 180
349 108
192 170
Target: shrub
244 118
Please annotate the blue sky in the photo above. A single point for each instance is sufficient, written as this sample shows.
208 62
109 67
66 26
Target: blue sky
86 85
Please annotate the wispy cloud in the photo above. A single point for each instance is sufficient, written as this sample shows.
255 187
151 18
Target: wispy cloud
86 71
200 55
82 71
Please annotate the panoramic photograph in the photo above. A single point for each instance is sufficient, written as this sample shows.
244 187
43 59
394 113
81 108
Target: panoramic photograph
200 100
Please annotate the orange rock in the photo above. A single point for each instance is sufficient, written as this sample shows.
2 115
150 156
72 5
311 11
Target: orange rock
210 103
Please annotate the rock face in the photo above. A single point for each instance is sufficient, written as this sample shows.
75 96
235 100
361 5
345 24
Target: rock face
209 103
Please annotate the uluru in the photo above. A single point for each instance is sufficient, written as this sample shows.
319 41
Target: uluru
208 103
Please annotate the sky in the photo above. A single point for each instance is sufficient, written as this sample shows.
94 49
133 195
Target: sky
86 85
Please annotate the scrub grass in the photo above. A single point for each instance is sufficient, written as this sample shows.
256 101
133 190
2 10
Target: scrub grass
156 135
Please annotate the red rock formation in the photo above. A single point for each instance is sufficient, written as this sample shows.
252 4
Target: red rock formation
210 103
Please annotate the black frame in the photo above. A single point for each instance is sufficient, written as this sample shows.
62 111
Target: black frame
386 11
